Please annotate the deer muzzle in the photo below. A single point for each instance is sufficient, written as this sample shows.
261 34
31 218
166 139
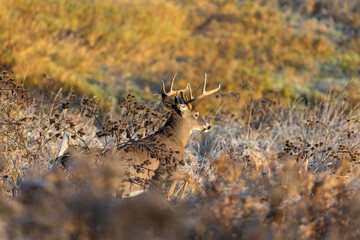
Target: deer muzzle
206 127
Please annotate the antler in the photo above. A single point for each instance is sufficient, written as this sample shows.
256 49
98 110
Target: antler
172 92
188 87
203 93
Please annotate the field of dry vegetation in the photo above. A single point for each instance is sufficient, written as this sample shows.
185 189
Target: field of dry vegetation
281 160
108 48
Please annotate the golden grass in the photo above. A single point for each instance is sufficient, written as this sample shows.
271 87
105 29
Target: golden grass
108 47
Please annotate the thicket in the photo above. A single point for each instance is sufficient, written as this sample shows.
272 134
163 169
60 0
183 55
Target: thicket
272 172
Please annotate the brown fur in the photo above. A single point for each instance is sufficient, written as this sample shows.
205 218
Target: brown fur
154 159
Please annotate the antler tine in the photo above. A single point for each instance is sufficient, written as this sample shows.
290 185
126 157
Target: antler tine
172 83
172 91
204 85
203 92
190 90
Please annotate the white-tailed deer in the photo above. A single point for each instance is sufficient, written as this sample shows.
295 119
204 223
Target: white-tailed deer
155 159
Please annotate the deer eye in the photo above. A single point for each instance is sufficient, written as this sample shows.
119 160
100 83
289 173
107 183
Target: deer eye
196 115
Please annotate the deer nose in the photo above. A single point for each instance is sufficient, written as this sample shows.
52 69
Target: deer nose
206 127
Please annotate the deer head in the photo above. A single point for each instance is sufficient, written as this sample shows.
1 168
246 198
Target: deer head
185 115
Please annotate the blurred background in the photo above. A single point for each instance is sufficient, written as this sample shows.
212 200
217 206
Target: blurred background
108 48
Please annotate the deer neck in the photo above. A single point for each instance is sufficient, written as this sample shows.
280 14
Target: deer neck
175 133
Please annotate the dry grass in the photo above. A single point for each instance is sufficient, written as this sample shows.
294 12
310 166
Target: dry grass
107 48
272 172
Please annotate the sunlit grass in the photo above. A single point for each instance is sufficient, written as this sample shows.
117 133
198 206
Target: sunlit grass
124 42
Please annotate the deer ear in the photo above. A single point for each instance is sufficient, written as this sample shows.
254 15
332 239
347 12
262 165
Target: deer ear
168 101
180 103
182 107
